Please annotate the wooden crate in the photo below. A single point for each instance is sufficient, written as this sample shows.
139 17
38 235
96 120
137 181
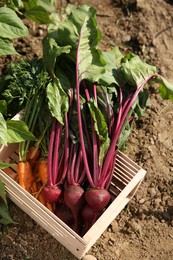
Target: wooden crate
126 180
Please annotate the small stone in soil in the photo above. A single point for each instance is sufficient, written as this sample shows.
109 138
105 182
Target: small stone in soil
89 257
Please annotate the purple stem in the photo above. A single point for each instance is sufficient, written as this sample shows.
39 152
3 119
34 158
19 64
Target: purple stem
95 92
87 137
55 169
109 112
84 122
80 121
120 110
118 130
77 166
69 172
82 177
65 155
50 153
72 165
112 149
94 138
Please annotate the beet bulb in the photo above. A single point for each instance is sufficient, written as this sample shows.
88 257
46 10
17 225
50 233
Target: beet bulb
97 198
51 193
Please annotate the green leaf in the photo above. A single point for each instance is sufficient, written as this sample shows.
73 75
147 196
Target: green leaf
48 5
113 59
134 70
4 165
57 100
80 31
3 130
3 192
11 26
125 133
100 127
30 4
51 51
3 107
15 4
165 88
140 104
38 14
90 63
5 215
17 131
6 47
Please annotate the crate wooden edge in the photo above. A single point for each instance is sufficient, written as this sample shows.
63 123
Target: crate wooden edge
59 230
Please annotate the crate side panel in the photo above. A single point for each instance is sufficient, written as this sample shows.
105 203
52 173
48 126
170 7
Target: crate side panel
6 151
130 163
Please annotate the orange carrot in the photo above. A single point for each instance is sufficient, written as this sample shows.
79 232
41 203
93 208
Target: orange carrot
43 170
34 188
33 154
25 175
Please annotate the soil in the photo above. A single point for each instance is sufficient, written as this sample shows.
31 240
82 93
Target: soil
144 229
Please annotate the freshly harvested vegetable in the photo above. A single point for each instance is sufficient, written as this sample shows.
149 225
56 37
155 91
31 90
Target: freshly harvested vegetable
33 155
25 175
108 89
89 216
64 213
43 169
97 199
74 199
51 191
93 98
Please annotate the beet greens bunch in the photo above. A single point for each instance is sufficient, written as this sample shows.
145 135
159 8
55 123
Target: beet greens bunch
93 97
97 95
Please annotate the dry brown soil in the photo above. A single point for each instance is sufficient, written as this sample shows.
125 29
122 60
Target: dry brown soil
144 229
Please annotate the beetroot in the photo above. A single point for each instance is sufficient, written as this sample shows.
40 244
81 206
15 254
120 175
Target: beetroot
74 199
51 193
89 216
64 213
97 199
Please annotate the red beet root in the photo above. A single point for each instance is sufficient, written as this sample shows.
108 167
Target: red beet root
74 199
51 193
97 199
89 216
64 213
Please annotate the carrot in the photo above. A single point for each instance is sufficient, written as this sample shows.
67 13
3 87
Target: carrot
33 154
43 170
41 199
34 188
25 175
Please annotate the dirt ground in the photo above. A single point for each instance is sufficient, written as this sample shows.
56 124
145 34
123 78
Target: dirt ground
144 229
